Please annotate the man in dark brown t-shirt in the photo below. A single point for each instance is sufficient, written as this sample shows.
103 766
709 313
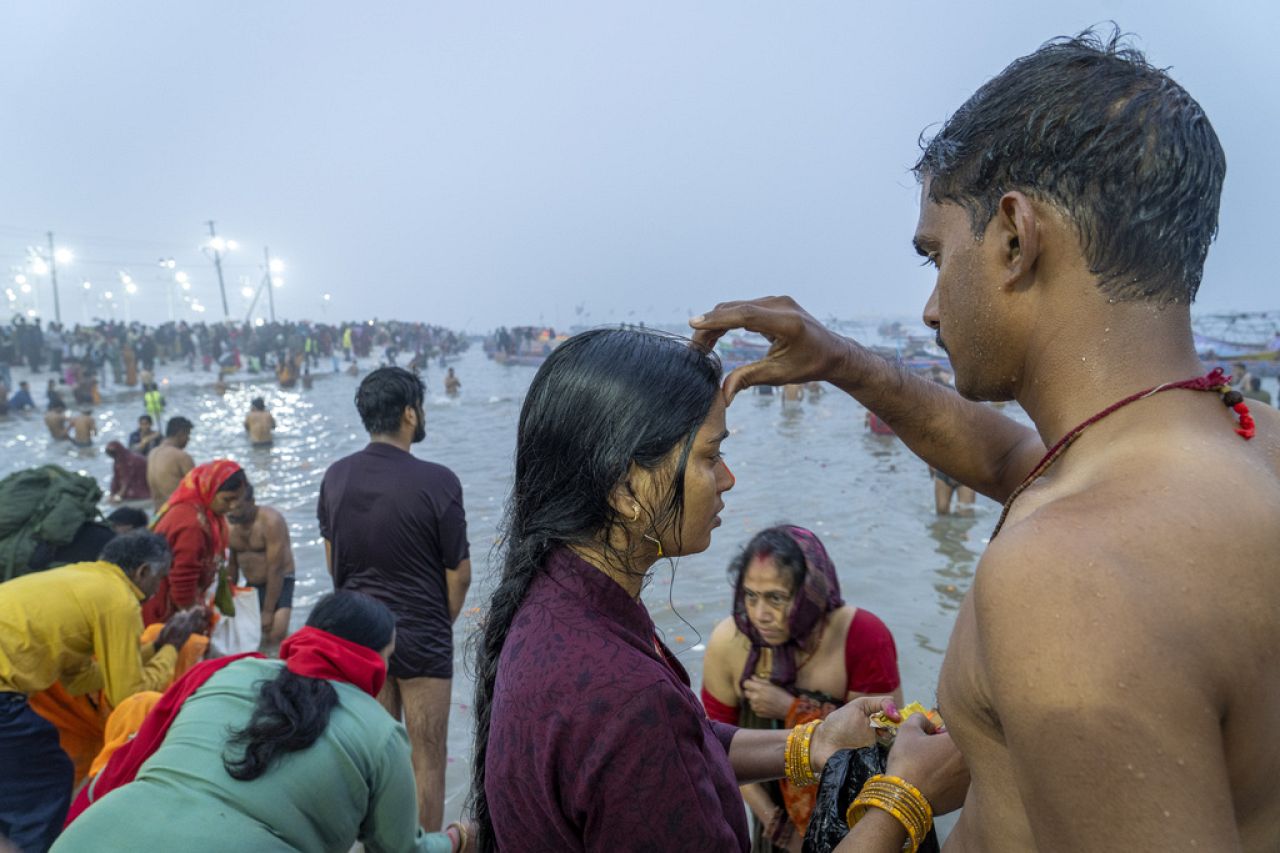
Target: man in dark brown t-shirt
394 529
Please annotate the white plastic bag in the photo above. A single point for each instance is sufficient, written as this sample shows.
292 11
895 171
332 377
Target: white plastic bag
234 635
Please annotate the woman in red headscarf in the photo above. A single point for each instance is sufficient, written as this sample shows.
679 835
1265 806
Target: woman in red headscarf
245 753
792 652
192 521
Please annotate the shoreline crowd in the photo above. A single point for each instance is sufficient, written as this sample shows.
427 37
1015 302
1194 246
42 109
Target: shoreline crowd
1107 684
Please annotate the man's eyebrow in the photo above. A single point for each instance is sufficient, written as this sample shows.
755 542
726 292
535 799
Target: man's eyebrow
924 246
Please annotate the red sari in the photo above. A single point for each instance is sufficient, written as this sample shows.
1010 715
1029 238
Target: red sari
197 536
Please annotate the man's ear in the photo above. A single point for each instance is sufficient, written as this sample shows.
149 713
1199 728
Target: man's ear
1016 227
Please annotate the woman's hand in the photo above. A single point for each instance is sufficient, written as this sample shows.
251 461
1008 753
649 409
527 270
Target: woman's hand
767 699
930 761
848 727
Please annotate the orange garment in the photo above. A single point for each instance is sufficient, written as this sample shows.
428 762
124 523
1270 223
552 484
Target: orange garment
123 724
81 720
191 653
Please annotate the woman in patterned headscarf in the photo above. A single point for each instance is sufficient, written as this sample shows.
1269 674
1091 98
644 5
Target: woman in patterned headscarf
793 651
192 521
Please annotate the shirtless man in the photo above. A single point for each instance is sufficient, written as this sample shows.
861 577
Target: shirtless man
56 420
259 423
452 383
260 548
1110 681
170 462
83 428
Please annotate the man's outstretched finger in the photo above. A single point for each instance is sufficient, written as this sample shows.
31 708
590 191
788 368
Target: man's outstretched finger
748 376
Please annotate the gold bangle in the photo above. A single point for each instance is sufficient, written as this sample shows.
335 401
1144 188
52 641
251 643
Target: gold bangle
798 757
806 756
899 798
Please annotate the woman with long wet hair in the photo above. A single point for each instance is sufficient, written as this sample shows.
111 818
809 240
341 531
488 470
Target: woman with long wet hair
588 736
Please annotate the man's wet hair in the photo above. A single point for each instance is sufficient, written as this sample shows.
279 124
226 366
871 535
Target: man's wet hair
383 396
234 482
128 516
177 426
146 418
1086 124
130 551
258 403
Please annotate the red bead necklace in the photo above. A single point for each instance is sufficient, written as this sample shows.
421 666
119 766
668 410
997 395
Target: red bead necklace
1214 381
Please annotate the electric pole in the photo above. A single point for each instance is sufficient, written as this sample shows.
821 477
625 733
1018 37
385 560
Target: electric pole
271 296
53 278
217 264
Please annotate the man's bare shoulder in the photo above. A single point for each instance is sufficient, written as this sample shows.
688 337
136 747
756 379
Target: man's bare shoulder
271 519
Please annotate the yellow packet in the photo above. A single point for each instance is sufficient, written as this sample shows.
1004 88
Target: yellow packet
881 721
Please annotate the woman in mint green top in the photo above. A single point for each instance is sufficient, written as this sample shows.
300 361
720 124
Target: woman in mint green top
354 782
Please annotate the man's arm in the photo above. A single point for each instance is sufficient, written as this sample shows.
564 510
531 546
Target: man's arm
277 535
1112 716
116 646
971 442
458 579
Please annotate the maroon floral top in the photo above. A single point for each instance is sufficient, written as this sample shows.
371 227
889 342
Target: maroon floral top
596 741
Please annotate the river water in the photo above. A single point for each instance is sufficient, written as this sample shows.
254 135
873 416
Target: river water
812 464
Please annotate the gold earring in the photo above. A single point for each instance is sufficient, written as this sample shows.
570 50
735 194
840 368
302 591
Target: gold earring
655 541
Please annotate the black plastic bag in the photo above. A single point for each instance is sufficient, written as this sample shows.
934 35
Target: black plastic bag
843 777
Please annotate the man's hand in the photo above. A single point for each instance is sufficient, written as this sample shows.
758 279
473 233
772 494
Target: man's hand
930 761
181 626
847 727
767 699
801 350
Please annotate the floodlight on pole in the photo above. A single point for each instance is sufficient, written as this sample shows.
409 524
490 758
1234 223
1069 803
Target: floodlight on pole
217 245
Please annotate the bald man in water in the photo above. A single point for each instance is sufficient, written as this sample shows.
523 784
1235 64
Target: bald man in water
1111 682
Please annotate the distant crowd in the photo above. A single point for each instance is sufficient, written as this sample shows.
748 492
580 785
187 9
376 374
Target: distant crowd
88 357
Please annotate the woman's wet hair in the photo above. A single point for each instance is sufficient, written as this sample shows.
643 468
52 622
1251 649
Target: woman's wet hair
383 396
130 551
292 710
603 401
1088 125
235 482
774 543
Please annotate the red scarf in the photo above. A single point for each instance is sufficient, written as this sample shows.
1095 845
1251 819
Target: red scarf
310 652
319 654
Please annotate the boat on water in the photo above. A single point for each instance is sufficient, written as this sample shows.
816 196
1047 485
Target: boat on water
522 346
1252 337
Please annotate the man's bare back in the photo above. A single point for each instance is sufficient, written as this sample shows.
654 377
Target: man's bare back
83 429
166 466
259 424
59 427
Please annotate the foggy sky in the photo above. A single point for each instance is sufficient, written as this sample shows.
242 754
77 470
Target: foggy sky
501 163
